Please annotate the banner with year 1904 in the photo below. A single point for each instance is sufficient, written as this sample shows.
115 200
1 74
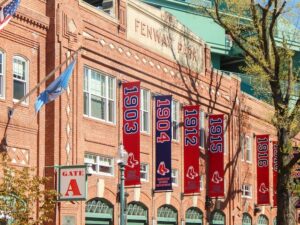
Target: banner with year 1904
163 139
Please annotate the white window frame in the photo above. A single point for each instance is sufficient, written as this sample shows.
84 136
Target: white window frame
175 110
146 171
98 163
101 11
246 188
26 80
249 148
174 176
107 99
143 92
242 145
202 129
2 75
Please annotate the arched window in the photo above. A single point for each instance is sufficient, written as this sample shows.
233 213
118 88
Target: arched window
275 221
20 77
99 211
166 214
262 220
217 218
137 214
194 216
2 78
247 219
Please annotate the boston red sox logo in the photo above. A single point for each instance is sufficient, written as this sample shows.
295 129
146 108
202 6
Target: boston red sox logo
131 162
262 188
162 169
216 177
191 173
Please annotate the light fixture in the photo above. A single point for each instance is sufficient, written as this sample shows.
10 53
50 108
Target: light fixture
122 155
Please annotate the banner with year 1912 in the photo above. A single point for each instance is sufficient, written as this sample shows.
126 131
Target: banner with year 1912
216 156
191 149
262 156
131 131
163 139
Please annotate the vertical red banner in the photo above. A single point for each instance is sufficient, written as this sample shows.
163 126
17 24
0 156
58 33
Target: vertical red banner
262 156
131 131
191 149
275 172
216 156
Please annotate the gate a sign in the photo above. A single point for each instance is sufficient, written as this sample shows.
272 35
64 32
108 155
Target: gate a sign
72 183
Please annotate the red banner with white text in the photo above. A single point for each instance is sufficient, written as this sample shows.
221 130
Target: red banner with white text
191 149
216 156
275 172
262 156
131 131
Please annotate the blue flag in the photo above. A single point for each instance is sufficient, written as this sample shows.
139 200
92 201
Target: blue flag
55 89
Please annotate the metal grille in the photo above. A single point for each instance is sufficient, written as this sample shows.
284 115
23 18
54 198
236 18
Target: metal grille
246 219
194 213
135 209
262 220
166 212
98 206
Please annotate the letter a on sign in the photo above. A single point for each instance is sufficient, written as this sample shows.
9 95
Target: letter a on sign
73 187
71 184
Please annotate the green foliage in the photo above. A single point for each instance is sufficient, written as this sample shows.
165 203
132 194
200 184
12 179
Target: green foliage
23 197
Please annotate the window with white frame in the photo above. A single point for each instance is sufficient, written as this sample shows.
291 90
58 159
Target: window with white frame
202 182
175 120
102 165
144 172
248 143
99 95
246 191
20 77
174 176
2 80
242 146
145 111
202 129
103 5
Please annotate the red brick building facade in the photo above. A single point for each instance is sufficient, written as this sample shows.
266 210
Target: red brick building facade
85 124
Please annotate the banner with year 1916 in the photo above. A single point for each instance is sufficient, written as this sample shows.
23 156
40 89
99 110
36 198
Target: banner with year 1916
262 153
163 139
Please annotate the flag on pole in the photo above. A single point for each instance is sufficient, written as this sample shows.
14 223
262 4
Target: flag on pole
56 88
7 12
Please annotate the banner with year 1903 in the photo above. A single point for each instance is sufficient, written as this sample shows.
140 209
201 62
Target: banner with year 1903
163 139
131 131
216 156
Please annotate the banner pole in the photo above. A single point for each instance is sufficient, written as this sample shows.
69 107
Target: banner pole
11 110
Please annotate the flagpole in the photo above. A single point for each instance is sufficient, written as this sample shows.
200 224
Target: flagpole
11 109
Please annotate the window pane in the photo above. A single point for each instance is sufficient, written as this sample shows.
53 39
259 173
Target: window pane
19 89
95 84
145 121
86 80
97 107
1 85
111 110
86 103
110 88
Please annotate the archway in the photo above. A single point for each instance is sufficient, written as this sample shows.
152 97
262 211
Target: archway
262 220
217 218
137 214
98 211
193 216
167 215
247 220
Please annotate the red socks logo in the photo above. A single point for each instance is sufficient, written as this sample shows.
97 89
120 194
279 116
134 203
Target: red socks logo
162 170
262 188
131 162
191 173
216 177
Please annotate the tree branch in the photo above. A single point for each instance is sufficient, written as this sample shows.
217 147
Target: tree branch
292 162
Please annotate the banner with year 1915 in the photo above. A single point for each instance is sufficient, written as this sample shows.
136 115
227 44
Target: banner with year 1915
163 139
131 131
262 156
216 156
191 149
